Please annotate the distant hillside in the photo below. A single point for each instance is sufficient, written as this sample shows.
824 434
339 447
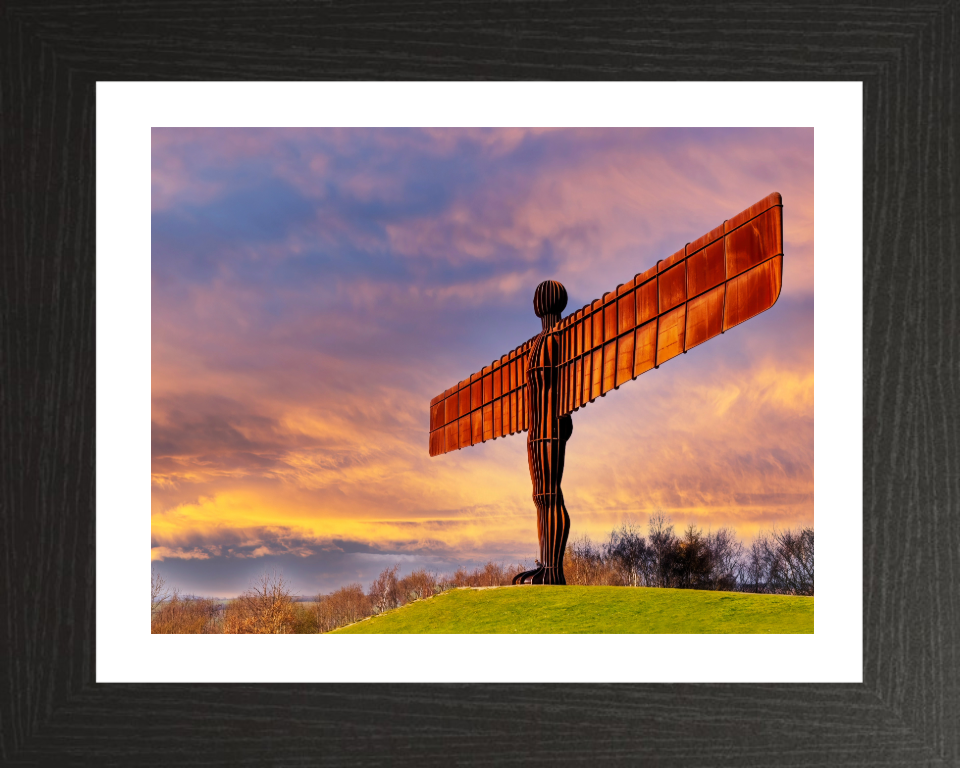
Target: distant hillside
595 610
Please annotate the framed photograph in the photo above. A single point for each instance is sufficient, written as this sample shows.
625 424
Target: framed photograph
378 213
80 311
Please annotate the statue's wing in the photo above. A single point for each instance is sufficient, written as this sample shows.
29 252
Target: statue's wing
729 275
712 284
489 404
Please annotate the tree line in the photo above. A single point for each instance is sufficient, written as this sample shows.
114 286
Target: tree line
776 562
269 606
779 561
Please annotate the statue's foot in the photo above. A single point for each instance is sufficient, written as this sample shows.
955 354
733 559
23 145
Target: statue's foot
527 577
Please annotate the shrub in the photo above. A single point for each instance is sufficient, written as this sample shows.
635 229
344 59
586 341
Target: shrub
691 565
304 619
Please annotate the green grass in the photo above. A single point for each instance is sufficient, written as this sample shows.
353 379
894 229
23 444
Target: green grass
552 610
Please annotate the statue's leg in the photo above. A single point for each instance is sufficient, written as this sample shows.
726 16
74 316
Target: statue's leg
560 540
555 523
537 462
556 519
546 456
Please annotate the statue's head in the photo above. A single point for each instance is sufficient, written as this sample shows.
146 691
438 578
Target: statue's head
549 301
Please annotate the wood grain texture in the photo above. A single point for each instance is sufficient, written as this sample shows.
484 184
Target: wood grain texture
908 709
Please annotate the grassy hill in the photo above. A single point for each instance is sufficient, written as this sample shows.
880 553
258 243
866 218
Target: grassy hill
552 610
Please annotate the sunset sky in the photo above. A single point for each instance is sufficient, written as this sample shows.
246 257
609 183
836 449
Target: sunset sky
312 290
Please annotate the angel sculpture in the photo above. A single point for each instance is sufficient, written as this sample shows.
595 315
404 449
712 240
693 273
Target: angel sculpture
731 274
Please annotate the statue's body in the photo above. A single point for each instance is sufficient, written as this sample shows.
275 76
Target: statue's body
547 438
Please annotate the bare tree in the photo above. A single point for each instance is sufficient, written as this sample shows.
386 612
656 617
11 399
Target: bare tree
757 570
791 569
264 609
728 560
186 616
516 568
627 551
491 575
383 591
579 556
345 606
417 585
586 564
158 591
662 543
781 562
460 578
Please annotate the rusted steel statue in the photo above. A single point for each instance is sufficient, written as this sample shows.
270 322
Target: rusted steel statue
547 437
729 275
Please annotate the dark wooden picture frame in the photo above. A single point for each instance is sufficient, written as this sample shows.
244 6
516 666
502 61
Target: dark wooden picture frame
907 710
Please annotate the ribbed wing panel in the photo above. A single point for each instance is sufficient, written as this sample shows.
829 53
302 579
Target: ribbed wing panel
729 275
489 404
